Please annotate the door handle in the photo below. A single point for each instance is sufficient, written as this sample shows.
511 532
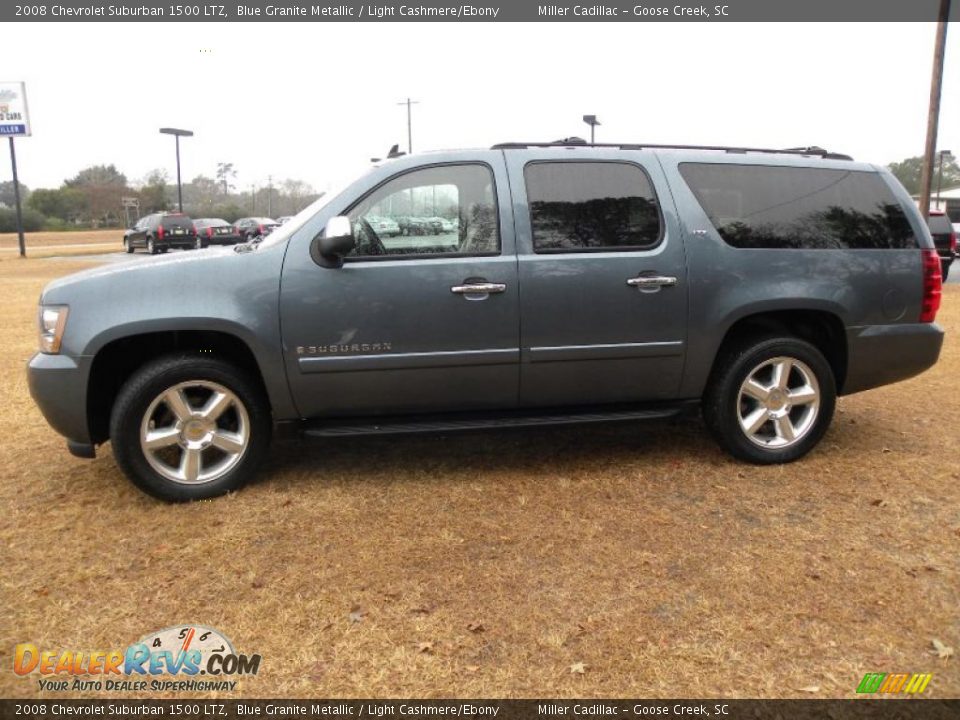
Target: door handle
480 288
645 282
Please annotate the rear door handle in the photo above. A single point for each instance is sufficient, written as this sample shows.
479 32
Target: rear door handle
480 288
652 281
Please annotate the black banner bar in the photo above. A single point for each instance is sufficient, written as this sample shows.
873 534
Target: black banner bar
413 709
475 11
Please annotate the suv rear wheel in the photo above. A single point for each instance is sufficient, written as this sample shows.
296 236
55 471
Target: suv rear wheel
186 427
127 245
151 246
770 401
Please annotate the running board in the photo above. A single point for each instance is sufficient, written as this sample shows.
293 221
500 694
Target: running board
452 422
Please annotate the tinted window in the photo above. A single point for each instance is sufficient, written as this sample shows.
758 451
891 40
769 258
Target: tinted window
591 206
437 210
177 221
757 206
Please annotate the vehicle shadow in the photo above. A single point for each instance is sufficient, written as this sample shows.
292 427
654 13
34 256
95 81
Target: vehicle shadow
530 450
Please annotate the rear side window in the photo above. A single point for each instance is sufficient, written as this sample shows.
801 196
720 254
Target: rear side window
584 206
759 206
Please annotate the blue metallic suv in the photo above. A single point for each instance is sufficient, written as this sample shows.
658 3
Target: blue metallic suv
568 283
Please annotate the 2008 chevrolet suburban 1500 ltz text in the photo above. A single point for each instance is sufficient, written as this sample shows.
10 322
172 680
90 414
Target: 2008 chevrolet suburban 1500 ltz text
568 283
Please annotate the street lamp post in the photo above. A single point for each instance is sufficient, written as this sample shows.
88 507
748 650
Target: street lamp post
942 155
592 121
177 133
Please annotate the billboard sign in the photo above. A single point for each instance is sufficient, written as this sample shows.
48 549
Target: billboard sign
14 119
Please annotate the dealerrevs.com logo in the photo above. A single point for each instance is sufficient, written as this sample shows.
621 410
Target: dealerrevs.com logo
178 658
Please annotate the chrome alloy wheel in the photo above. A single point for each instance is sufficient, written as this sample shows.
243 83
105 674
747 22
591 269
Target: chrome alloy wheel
778 402
195 432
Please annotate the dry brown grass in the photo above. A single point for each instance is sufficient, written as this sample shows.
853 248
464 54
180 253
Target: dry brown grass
641 551
47 239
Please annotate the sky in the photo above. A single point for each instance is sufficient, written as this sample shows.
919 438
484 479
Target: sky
315 101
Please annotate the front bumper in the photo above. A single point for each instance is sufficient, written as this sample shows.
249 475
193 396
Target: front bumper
58 384
883 354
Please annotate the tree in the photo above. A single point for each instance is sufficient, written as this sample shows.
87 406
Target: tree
225 173
64 203
153 192
102 186
295 191
200 194
7 195
98 175
908 173
32 220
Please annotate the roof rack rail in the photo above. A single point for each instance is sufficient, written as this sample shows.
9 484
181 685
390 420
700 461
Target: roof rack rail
575 142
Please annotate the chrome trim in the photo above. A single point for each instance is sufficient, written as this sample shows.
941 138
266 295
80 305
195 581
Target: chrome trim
610 351
478 288
403 361
652 281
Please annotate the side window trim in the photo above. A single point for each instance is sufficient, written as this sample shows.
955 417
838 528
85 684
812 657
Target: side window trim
661 235
432 256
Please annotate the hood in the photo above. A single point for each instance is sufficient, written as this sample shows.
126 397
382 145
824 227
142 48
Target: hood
144 272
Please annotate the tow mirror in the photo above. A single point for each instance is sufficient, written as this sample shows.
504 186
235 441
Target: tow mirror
329 247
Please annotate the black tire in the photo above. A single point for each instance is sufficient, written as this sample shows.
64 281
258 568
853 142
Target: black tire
199 245
945 270
722 402
127 245
151 246
153 379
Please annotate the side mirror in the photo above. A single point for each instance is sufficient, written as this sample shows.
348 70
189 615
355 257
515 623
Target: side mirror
329 247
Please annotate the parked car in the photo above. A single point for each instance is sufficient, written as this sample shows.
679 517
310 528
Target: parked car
215 231
252 228
944 239
159 232
412 225
587 284
384 226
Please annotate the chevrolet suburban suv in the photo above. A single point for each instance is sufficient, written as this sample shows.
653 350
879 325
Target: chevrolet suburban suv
583 283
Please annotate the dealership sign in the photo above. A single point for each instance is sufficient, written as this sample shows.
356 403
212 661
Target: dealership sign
14 119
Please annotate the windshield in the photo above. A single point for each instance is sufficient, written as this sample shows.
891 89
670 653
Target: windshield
283 232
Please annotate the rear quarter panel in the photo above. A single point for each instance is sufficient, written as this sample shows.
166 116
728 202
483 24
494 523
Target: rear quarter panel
727 284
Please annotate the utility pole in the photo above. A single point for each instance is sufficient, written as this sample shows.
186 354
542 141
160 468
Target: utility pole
936 82
408 102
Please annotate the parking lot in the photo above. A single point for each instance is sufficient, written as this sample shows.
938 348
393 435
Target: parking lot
621 560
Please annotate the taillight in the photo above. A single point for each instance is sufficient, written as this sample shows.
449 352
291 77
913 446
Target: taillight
932 286
194 229
260 228
160 231
209 232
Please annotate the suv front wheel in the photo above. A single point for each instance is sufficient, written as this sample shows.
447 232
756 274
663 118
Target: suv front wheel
187 427
770 401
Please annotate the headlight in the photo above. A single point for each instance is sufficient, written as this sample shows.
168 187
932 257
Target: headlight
53 320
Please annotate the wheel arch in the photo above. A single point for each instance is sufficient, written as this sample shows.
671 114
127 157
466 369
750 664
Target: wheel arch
119 357
820 327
